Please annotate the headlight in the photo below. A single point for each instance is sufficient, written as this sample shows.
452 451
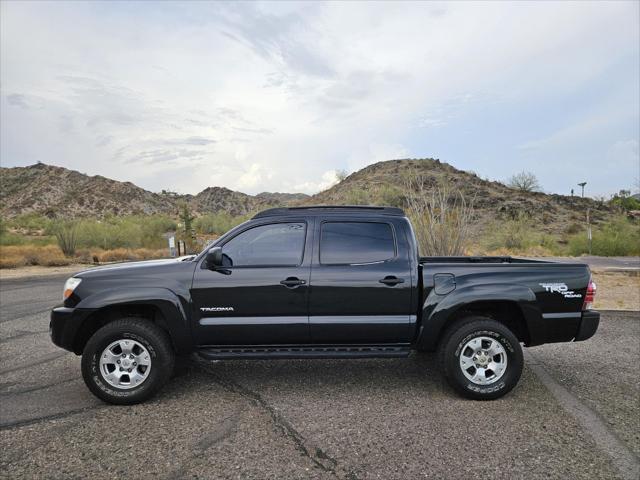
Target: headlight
69 286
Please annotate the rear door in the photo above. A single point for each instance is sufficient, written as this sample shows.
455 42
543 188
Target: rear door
360 283
260 295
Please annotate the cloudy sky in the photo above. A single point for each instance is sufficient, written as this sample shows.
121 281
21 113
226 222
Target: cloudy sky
278 96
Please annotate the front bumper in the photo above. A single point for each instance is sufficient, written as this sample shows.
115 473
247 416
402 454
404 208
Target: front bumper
64 326
588 325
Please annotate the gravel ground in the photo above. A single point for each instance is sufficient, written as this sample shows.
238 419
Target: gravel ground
352 419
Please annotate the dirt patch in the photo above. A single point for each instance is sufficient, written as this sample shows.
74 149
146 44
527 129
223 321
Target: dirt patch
617 290
40 271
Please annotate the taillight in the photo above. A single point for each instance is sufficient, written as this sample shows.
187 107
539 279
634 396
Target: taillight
589 296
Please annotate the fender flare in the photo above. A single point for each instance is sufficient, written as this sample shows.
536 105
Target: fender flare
438 309
172 307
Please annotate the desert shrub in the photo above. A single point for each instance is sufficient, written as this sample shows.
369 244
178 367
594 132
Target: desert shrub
84 255
550 243
390 195
8 238
442 217
573 228
618 237
357 196
512 234
524 181
136 231
216 223
117 255
66 233
12 261
32 222
625 201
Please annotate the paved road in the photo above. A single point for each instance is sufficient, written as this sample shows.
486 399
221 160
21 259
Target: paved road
574 415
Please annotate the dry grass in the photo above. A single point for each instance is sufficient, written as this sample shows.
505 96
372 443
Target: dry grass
125 254
24 255
52 256
617 290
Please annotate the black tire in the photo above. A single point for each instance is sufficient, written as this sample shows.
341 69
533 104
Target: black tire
151 337
450 349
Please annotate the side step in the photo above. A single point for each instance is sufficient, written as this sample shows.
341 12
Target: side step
263 352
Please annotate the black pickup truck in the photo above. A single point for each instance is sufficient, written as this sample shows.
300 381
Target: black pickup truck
319 282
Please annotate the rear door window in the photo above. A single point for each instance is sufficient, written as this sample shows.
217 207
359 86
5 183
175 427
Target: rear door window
356 242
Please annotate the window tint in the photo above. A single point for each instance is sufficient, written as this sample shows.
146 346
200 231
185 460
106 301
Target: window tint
275 244
356 242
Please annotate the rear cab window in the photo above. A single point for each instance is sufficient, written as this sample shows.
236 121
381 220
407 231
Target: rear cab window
343 242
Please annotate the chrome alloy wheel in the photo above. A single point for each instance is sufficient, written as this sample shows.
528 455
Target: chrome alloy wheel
125 364
483 360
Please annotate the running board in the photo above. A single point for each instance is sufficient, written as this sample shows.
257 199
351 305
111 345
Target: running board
264 352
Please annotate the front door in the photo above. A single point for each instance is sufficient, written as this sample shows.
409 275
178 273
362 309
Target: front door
259 296
360 284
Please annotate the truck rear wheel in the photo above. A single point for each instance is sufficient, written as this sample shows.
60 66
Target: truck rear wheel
127 361
481 358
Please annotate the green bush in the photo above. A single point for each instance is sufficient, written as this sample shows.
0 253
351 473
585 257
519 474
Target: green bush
136 231
390 196
357 196
66 233
625 201
216 223
619 237
514 234
31 222
8 238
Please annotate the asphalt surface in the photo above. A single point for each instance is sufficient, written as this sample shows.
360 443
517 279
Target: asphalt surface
575 413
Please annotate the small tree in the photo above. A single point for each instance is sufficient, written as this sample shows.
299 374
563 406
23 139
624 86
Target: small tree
187 223
341 175
442 218
524 181
66 233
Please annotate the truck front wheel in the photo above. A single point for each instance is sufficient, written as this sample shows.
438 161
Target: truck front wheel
127 361
481 358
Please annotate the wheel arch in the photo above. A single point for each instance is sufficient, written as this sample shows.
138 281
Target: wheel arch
163 309
512 305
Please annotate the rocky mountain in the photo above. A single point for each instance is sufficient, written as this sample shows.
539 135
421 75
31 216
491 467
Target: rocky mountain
59 192
386 183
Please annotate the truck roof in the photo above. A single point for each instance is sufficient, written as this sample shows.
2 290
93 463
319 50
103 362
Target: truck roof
331 209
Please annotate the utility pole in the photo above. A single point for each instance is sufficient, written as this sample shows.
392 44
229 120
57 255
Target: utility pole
589 236
582 184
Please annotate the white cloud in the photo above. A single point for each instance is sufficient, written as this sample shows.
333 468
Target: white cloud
327 180
276 96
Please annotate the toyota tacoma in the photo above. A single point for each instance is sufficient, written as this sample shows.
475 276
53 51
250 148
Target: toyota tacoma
319 282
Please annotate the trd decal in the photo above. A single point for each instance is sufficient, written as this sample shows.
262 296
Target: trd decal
560 288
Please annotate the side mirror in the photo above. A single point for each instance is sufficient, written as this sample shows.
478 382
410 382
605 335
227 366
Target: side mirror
214 257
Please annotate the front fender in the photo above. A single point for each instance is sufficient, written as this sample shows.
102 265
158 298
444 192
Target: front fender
439 309
175 319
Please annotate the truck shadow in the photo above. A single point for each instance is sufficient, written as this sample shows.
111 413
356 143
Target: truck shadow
419 373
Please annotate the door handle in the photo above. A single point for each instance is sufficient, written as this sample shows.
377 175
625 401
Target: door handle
391 280
292 282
